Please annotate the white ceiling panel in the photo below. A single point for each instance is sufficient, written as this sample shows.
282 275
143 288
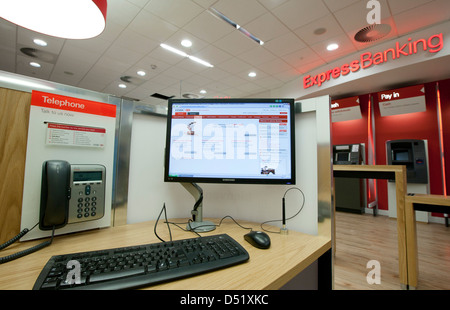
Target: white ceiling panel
295 33
336 5
241 12
257 56
177 12
285 44
266 27
207 27
296 13
235 43
399 6
319 30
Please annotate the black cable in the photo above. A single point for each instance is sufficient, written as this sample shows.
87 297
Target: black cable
27 251
14 239
234 222
168 226
227 216
289 218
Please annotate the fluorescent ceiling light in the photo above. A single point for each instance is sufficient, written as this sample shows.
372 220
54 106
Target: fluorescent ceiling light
174 50
252 74
35 64
235 25
141 73
205 63
69 19
122 86
181 53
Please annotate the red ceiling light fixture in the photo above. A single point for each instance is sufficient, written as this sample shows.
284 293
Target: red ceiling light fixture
68 19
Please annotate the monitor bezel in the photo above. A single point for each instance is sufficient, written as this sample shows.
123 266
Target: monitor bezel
256 181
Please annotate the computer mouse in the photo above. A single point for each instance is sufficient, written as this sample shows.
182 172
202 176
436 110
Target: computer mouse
258 239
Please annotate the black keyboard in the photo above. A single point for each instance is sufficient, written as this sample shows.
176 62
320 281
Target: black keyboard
140 266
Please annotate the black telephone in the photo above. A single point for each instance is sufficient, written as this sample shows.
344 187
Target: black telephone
55 196
57 207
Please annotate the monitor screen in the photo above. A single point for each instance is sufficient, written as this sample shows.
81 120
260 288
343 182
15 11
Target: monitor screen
401 155
230 141
343 156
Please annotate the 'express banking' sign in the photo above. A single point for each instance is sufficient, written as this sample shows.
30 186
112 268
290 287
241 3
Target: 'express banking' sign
434 44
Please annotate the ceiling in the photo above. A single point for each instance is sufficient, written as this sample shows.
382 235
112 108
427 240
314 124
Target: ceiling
295 34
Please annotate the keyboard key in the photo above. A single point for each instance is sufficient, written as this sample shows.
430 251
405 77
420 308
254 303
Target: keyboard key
116 275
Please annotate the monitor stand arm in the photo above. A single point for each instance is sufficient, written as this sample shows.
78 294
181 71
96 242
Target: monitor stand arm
198 224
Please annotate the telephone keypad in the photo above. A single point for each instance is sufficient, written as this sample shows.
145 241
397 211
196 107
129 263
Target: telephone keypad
88 182
86 203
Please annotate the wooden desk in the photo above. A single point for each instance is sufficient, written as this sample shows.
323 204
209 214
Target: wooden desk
421 202
397 172
267 269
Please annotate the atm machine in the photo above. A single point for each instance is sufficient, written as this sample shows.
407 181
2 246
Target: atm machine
413 154
350 193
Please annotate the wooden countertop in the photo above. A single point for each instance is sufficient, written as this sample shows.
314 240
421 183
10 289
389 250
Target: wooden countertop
267 269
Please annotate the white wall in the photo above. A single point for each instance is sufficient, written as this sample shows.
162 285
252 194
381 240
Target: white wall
147 190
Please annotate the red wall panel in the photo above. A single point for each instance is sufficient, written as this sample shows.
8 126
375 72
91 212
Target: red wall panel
419 125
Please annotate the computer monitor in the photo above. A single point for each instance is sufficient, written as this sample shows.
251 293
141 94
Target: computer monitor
232 141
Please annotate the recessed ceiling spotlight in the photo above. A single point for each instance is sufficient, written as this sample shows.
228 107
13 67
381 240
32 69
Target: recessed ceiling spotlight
252 74
35 64
186 43
40 42
203 91
141 73
122 86
332 47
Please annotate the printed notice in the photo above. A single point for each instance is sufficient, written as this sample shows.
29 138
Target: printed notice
402 101
345 110
74 135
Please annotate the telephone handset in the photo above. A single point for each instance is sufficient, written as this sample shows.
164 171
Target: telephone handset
55 194
59 206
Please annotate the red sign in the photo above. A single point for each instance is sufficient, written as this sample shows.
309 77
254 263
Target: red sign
60 102
402 93
76 128
434 44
